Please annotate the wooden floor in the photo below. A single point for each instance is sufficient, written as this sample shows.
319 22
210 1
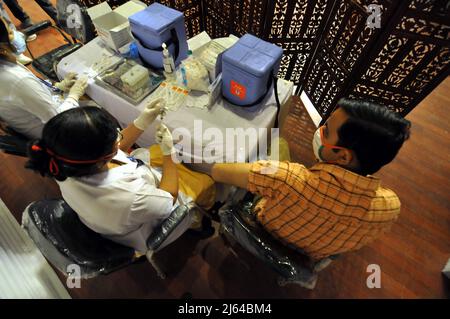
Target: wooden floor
411 256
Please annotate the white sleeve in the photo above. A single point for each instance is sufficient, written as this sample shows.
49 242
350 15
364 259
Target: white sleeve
67 104
38 100
151 205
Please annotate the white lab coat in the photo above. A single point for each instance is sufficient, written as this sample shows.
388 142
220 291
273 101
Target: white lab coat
26 104
123 204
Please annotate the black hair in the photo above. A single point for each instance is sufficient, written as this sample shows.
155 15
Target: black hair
82 133
373 132
4 35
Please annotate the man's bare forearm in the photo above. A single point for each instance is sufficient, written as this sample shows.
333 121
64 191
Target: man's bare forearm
234 173
169 180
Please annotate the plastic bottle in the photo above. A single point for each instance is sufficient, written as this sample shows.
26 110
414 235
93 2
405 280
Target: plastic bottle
183 68
169 65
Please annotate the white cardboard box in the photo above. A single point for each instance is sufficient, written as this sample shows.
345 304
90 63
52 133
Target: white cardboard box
201 43
113 25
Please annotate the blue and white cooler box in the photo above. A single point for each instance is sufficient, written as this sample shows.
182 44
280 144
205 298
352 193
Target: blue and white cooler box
155 25
248 68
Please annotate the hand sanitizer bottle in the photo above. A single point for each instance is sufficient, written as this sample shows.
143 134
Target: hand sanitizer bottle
169 65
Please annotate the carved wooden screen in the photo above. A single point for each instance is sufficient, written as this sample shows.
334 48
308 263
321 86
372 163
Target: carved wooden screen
411 58
292 24
346 41
396 65
296 27
237 17
329 49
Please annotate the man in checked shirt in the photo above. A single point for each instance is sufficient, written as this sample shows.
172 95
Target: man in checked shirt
336 205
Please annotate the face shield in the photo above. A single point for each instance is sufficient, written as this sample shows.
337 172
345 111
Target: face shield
12 39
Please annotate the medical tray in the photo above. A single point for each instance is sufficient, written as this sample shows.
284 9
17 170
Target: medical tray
112 80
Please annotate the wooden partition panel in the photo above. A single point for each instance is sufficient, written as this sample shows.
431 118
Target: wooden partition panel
333 48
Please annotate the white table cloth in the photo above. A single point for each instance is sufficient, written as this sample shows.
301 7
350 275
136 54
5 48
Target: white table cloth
221 115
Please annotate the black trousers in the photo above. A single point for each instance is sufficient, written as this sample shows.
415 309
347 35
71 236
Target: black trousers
20 14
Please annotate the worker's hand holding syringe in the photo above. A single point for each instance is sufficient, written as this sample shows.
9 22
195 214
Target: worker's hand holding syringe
151 110
169 179
148 115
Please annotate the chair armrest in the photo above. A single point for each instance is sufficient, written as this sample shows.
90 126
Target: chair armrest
35 28
160 234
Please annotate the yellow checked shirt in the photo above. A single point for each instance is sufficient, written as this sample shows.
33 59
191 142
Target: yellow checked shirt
324 210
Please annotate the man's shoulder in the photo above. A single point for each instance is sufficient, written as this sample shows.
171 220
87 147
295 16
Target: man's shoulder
386 193
386 202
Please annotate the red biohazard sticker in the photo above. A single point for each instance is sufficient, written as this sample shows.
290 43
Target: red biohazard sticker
238 89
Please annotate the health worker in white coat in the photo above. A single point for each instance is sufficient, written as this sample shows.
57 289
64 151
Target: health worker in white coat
119 195
27 102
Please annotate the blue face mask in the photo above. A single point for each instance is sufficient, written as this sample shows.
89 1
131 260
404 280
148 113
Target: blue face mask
19 43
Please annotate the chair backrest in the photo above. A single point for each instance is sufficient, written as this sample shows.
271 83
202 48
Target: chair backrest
13 145
64 240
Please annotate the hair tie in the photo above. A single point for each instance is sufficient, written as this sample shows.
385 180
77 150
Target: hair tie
53 167
36 148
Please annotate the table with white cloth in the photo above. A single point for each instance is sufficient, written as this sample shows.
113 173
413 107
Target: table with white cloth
221 115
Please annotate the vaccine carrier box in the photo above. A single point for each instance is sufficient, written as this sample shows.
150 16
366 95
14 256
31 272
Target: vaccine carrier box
155 25
112 25
247 70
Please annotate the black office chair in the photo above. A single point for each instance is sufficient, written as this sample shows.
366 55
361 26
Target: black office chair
73 20
13 145
12 142
238 225
64 240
